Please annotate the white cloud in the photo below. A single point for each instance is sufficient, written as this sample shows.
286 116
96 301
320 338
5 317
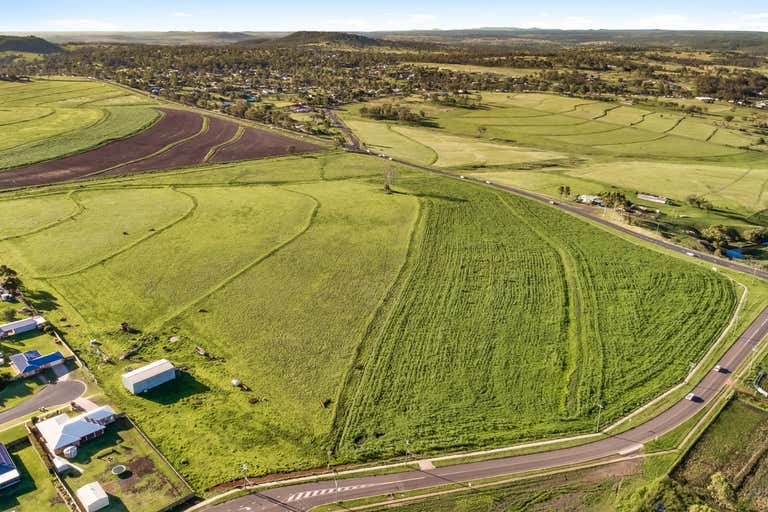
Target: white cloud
181 15
755 16
81 24
349 24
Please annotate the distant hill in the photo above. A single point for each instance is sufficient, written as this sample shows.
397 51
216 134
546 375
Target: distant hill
755 42
29 44
306 38
159 38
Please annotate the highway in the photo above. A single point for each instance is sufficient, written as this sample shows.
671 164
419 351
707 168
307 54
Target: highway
307 495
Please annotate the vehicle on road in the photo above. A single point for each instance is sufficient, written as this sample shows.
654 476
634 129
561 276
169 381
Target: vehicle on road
691 397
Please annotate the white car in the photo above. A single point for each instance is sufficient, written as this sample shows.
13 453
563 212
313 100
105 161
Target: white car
718 369
487 182
690 397
689 253
462 177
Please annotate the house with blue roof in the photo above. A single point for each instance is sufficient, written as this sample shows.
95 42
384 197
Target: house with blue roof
9 474
32 362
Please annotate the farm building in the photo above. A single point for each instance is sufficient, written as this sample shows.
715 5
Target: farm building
149 376
92 496
31 362
9 475
589 199
653 199
62 431
22 326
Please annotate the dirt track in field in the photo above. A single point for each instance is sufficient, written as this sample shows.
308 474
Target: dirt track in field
144 151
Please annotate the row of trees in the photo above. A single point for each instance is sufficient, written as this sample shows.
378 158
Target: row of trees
393 112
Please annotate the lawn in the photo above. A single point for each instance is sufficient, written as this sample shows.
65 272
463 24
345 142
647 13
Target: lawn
148 484
470 315
36 491
50 118
33 340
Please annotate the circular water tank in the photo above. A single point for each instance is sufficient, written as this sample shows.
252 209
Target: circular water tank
236 383
70 452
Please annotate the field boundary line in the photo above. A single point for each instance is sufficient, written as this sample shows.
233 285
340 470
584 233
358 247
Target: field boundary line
192 208
35 142
224 282
215 149
165 149
50 112
79 209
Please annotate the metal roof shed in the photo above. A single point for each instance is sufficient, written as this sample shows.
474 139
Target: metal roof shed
149 376
93 497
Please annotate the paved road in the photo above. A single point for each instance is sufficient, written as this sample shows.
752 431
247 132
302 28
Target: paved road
52 395
305 496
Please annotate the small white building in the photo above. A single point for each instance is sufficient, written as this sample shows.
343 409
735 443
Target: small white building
149 376
21 326
652 198
92 497
589 199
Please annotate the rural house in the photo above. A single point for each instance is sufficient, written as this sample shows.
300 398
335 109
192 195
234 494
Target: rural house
61 431
589 199
9 475
22 326
31 362
149 376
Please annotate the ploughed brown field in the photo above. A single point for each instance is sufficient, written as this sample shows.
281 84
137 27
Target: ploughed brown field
176 140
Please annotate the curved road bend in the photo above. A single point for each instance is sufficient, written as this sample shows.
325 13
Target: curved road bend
51 395
305 496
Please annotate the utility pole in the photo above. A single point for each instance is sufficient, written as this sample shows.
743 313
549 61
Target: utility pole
600 407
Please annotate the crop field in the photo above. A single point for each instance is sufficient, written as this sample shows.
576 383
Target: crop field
474 365
326 297
734 445
572 125
52 124
542 142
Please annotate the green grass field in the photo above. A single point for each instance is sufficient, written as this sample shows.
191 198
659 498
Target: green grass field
45 119
734 445
543 141
301 278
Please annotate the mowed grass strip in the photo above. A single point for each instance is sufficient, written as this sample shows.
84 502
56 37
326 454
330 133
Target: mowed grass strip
516 324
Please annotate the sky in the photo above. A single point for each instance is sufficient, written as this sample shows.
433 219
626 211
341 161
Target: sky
366 15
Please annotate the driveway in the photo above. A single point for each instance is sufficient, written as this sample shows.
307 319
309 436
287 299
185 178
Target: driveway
51 395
